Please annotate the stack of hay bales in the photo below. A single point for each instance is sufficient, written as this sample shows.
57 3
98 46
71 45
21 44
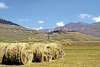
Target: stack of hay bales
3 47
24 53
69 43
42 52
58 50
19 53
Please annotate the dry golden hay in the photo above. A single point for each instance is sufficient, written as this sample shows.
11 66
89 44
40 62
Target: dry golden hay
19 53
42 52
69 43
58 50
3 47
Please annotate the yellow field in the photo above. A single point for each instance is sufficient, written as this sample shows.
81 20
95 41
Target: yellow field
75 56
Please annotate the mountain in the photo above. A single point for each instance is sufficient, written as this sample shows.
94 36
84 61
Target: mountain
2 21
58 29
69 27
76 26
16 33
85 28
11 32
93 29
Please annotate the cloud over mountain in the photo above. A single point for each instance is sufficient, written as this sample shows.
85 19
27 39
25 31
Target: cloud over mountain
40 21
23 20
82 16
60 24
96 19
38 28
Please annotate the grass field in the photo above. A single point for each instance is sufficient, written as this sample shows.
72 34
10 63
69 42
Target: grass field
75 56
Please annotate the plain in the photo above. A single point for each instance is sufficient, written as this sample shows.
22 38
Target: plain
75 56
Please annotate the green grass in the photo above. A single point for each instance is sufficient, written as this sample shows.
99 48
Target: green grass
12 33
75 56
79 42
72 36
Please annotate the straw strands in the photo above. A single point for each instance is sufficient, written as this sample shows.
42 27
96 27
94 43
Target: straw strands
58 50
42 52
24 53
3 47
19 53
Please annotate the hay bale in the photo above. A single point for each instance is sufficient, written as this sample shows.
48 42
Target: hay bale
19 53
58 50
3 47
69 43
42 52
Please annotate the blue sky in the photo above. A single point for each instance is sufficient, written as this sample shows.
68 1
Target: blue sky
47 14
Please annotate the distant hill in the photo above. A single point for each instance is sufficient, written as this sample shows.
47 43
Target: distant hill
69 27
93 29
16 33
11 32
89 29
58 29
76 26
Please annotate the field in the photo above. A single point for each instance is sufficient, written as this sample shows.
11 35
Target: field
75 56
82 44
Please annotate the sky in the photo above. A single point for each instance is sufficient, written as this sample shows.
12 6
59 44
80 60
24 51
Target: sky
48 14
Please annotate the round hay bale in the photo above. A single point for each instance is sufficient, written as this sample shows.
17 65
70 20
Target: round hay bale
42 52
3 47
19 53
58 50
69 43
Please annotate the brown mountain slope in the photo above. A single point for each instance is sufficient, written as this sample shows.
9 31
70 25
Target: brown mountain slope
93 29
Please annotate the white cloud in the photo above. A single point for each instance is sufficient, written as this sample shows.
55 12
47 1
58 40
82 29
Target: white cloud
20 20
26 27
2 5
82 16
40 21
96 19
59 24
26 20
23 20
38 28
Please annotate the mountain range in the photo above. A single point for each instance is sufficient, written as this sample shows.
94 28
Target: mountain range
85 28
11 32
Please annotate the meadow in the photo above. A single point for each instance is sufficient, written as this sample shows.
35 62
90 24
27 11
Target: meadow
75 56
